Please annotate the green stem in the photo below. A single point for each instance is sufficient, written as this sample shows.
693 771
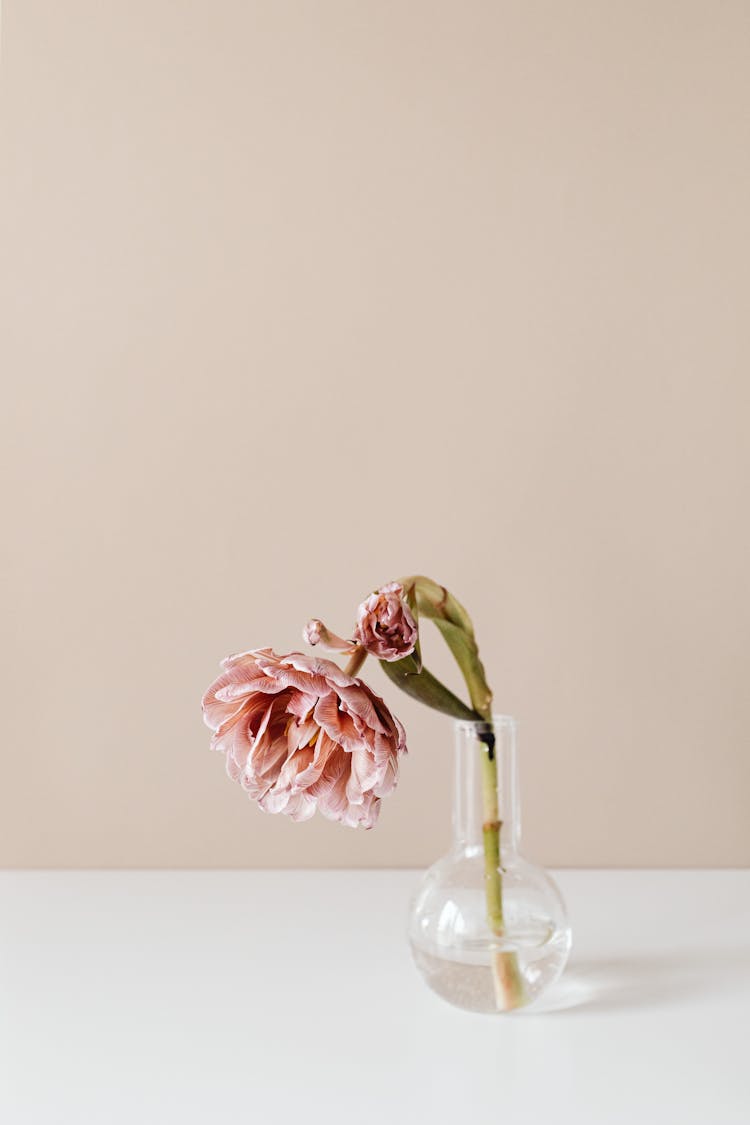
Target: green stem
433 601
491 827
356 660
507 977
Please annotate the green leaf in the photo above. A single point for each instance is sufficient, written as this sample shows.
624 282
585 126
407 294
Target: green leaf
427 689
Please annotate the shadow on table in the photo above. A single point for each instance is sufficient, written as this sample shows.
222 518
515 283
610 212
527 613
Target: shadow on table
646 981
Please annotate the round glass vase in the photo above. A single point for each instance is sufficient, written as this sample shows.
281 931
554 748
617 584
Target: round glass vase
488 930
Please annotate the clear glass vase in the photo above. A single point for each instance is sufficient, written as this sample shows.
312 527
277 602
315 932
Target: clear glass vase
488 930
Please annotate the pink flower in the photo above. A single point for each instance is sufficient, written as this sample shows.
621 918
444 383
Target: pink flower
315 633
385 625
298 733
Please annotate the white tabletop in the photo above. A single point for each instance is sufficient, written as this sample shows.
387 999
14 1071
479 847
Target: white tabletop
281 997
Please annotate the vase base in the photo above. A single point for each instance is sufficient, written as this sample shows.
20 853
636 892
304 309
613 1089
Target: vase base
478 987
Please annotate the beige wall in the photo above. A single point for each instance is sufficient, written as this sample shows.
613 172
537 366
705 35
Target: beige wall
297 297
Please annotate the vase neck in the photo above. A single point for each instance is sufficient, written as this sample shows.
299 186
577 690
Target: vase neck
478 745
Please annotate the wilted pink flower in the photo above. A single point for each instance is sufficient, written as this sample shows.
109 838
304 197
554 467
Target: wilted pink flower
298 733
385 625
315 633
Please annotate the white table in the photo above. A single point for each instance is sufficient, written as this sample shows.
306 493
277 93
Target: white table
285 997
